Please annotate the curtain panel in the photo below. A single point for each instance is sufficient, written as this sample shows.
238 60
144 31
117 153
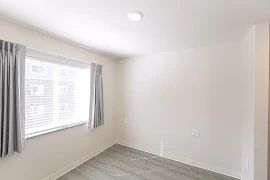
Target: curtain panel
96 112
12 70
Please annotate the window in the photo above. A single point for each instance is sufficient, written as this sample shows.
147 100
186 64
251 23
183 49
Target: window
57 99
37 110
62 72
37 90
63 107
62 89
37 69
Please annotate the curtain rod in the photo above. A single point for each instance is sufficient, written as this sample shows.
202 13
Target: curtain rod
55 54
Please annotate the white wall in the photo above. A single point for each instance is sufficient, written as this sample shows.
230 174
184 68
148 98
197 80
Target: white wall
255 102
47 154
261 100
248 62
165 95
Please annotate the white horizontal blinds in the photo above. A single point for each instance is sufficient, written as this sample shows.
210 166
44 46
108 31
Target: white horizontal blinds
55 95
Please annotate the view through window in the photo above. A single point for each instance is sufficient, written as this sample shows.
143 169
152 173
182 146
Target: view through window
56 95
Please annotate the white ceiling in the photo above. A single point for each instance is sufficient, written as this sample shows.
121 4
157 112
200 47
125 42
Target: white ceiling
167 24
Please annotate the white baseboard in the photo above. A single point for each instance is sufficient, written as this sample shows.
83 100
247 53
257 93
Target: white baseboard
78 162
201 165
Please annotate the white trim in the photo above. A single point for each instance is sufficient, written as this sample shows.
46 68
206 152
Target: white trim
58 60
54 129
78 162
201 165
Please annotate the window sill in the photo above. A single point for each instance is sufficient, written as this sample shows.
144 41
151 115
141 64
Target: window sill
28 136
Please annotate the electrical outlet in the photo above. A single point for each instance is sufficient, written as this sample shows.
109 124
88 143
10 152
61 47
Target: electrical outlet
125 121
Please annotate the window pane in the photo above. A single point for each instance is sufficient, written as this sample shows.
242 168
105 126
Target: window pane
55 95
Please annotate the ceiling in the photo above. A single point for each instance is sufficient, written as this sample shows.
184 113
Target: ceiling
167 24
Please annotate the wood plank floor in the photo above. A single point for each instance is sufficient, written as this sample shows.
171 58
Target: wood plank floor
123 163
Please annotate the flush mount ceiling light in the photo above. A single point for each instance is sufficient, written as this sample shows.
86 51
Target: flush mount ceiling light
135 15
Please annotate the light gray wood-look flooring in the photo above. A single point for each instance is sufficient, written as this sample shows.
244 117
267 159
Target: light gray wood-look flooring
124 163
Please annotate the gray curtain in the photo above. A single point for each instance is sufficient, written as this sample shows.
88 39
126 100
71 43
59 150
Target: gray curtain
12 63
96 112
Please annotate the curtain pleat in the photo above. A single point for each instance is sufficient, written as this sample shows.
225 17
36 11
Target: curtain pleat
96 112
12 60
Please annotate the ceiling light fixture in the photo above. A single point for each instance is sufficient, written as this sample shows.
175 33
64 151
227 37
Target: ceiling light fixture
135 15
